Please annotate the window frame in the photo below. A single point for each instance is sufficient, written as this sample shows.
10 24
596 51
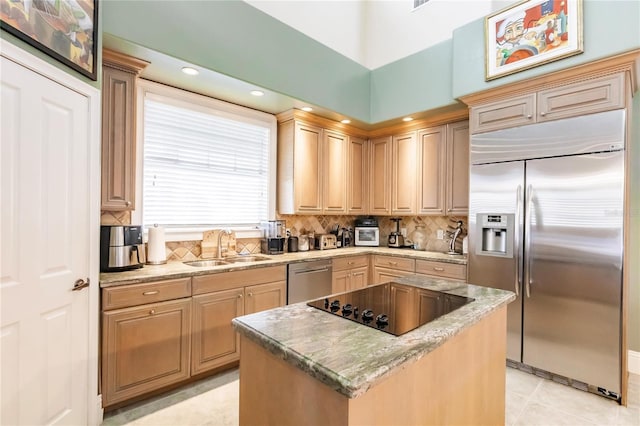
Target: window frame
181 97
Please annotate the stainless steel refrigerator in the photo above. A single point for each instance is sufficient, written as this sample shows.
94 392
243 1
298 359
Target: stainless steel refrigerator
546 221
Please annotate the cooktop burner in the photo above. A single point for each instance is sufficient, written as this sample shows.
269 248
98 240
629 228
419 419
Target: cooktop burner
391 307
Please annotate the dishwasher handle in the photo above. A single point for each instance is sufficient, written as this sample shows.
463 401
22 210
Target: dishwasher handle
311 271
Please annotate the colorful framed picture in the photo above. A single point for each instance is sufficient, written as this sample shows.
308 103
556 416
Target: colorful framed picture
63 29
531 33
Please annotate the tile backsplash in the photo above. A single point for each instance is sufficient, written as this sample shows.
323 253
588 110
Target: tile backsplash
303 224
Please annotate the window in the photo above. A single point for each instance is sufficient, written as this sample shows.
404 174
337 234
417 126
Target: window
418 3
206 163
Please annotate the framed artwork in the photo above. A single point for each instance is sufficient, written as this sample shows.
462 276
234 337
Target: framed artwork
531 33
63 29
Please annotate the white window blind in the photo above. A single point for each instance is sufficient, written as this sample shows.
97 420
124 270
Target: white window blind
202 168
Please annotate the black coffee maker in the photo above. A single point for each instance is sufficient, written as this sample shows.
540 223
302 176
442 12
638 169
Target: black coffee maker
121 248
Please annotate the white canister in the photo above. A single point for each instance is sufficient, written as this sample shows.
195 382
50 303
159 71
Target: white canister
303 243
465 245
156 251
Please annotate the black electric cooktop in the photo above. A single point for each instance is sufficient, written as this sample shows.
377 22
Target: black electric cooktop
391 307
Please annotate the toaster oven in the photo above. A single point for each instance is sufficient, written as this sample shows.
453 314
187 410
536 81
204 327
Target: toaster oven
367 236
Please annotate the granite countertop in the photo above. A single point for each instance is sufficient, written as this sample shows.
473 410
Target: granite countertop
350 357
172 270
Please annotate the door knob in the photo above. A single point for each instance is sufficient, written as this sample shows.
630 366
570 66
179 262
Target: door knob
80 284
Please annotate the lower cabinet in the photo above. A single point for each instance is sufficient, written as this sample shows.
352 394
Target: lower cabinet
349 273
144 348
389 268
441 269
214 340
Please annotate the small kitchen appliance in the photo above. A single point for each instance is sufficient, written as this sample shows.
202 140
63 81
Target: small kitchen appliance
366 232
121 248
376 307
274 240
396 240
326 242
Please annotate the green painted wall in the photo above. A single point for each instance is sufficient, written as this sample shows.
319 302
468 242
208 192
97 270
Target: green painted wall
419 82
610 27
238 40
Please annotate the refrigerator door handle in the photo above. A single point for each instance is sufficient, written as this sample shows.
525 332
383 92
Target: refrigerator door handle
516 238
527 239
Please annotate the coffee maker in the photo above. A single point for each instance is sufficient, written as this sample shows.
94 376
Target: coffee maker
121 248
274 236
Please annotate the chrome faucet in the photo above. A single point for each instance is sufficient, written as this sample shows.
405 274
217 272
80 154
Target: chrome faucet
220 251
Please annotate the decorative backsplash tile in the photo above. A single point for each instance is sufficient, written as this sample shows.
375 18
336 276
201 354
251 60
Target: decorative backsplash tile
115 218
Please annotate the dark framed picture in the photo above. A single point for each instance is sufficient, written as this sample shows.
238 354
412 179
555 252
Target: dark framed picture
64 29
531 33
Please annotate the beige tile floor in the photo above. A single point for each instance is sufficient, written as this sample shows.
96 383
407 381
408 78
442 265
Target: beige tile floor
530 400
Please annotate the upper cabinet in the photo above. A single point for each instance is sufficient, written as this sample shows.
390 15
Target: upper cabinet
457 192
583 97
403 187
321 169
380 176
119 74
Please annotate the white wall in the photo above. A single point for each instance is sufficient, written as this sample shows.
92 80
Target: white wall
377 32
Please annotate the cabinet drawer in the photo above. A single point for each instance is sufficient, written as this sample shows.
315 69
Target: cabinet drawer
140 294
350 262
441 269
393 262
236 279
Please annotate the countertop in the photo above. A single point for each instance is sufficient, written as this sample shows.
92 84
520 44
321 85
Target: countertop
350 357
172 270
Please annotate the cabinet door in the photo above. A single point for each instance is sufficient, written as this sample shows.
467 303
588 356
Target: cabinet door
144 348
380 176
357 176
429 305
214 341
587 97
403 192
339 281
431 170
359 278
458 168
402 312
261 297
307 167
118 139
512 112
335 172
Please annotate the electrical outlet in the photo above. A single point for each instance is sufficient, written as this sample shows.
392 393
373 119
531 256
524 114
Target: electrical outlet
440 234
403 231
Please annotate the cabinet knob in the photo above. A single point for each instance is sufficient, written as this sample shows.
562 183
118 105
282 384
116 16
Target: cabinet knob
543 113
127 203
250 294
529 116
239 296
350 263
151 312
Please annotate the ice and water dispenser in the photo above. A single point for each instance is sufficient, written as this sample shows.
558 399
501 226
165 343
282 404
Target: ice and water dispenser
496 234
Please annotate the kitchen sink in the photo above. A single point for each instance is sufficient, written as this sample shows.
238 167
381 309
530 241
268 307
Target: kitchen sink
204 263
246 258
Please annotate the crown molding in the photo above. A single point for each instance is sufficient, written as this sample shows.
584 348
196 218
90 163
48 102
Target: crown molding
123 62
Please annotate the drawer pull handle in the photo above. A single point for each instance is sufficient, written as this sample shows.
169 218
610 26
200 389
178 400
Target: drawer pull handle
151 312
150 293
436 268
349 263
393 263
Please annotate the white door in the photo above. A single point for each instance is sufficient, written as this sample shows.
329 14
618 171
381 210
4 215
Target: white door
44 334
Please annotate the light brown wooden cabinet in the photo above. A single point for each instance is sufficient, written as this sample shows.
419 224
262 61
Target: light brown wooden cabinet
457 188
349 273
218 298
334 171
387 268
404 180
144 348
441 269
380 176
571 100
432 170
119 75
357 182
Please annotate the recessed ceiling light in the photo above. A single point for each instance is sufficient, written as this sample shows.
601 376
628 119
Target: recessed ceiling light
190 71
308 109
257 93
346 121
407 119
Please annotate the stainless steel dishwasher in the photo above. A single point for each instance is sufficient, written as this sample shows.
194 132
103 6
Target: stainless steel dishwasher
308 280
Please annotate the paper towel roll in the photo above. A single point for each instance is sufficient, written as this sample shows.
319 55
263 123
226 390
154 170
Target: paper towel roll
156 252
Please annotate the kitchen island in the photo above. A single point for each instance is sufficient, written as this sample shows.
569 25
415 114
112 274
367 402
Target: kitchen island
300 365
